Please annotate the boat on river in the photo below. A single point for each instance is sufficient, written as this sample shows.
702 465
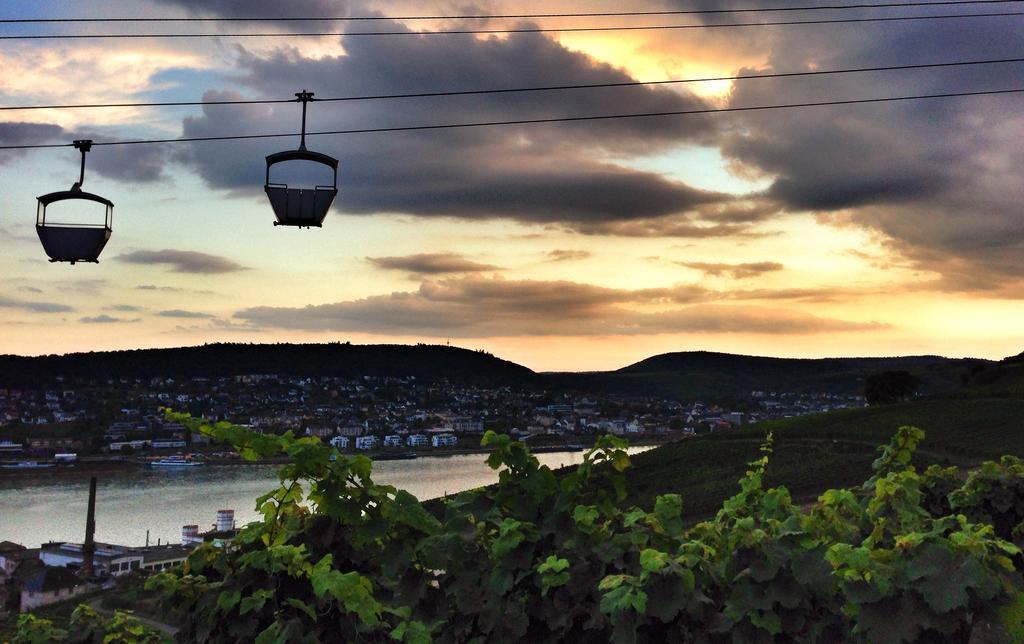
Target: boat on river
549 449
176 461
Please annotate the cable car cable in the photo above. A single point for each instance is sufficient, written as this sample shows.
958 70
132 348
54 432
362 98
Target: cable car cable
519 16
564 119
541 88
523 30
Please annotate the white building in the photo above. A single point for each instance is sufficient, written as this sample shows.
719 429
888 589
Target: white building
119 446
341 442
392 440
417 440
444 440
468 425
115 560
48 586
10 446
367 442
167 443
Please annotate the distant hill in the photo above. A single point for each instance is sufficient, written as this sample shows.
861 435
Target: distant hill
212 360
1003 378
699 374
978 417
816 452
684 376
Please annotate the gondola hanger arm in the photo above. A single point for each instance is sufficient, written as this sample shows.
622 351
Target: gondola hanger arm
84 145
303 97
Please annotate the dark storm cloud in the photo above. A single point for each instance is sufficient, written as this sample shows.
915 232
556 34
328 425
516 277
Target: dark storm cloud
179 313
135 163
735 271
431 264
263 8
477 307
129 163
587 194
940 179
545 174
182 261
12 133
33 307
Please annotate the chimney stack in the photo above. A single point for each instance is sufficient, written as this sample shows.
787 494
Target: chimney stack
89 547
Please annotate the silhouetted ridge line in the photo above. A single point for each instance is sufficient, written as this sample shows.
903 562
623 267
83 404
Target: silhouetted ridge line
216 360
680 376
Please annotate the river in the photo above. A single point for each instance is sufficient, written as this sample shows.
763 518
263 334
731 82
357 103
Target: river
42 508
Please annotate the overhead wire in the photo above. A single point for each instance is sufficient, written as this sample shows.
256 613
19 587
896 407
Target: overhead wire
524 30
516 16
536 88
539 88
481 124
518 30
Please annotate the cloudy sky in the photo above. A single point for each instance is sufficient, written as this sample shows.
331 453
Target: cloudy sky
882 229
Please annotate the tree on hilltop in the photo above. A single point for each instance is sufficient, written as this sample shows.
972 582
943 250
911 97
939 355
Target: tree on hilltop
890 387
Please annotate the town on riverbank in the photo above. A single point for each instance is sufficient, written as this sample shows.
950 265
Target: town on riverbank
80 427
111 424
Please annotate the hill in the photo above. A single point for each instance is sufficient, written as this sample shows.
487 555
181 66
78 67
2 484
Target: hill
817 452
702 374
212 360
1004 378
684 376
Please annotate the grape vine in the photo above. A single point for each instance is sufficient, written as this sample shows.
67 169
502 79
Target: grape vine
907 557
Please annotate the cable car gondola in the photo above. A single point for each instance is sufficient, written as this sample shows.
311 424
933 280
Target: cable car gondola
74 242
302 207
